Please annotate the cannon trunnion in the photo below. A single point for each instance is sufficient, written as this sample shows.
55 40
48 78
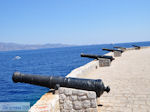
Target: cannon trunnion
54 82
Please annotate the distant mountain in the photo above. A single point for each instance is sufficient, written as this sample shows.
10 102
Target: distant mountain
14 46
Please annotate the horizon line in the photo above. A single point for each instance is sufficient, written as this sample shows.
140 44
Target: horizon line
73 44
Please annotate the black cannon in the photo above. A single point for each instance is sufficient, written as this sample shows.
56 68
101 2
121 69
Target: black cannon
97 56
137 47
112 50
119 47
54 82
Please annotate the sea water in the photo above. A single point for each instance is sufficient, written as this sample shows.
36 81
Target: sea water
52 61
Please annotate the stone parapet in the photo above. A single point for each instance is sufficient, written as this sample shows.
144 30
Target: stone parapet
75 100
117 53
104 62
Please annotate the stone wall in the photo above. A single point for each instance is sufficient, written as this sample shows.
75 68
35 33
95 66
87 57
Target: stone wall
104 62
117 54
74 100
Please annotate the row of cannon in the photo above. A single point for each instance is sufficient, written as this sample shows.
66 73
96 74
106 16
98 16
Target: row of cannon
54 82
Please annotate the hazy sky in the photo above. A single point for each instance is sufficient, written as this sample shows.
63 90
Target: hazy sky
74 21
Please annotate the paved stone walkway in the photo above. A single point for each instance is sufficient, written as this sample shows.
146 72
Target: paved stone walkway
129 80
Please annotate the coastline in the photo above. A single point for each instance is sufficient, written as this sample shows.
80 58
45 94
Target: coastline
107 74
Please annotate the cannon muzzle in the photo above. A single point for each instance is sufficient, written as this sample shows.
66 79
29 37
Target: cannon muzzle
54 82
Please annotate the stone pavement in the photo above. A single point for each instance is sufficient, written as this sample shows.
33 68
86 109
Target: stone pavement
129 80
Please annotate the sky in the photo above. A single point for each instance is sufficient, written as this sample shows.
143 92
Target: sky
79 22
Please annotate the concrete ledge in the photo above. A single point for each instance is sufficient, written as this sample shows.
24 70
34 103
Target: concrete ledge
47 103
85 69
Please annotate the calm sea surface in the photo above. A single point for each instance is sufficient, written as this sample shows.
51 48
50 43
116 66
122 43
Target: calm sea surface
54 61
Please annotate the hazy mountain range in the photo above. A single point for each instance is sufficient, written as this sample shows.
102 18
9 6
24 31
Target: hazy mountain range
14 46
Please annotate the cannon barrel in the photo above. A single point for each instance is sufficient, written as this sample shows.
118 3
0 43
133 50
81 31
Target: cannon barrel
136 46
54 82
120 47
96 56
112 50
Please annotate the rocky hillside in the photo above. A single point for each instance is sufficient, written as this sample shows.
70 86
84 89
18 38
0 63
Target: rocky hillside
14 46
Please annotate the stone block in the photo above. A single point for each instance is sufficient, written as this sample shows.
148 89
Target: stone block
75 100
91 95
104 62
61 106
62 97
68 91
68 105
93 103
82 97
86 104
82 93
117 53
77 105
75 92
61 90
